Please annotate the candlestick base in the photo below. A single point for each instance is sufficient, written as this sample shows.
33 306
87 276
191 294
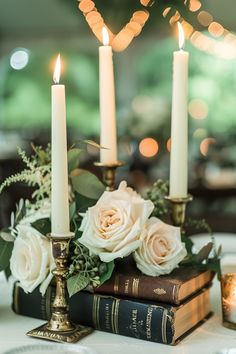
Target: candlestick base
109 173
72 336
178 209
59 328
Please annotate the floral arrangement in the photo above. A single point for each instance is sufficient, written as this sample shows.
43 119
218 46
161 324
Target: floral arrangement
107 226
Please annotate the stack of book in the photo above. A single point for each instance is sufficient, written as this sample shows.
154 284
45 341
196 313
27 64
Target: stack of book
160 309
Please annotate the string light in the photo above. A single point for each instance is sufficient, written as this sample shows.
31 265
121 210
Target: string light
225 48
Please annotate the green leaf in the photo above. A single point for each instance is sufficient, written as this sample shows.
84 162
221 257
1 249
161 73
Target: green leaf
76 283
83 203
204 252
5 253
106 275
43 226
94 144
72 210
87 184
7 272
188 243
73 159
6 236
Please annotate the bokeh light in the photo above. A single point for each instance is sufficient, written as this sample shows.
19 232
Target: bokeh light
194 5
148 147
19 59
205 144
205 18
216 29
168 145
200 133
198 109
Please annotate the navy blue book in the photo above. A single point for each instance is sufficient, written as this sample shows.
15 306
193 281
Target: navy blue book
147 320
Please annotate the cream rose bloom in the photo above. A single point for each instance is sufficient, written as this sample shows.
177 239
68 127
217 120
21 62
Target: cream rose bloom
161 249
113 227
31 260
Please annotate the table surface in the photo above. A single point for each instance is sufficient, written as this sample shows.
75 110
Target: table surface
209 338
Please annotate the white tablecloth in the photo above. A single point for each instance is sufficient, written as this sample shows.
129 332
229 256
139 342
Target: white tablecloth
207 339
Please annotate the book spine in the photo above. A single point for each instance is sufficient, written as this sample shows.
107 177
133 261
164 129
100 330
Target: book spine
129 318
140 288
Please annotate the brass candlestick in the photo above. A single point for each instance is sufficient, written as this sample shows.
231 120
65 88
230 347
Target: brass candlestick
178 209
60 328
109 173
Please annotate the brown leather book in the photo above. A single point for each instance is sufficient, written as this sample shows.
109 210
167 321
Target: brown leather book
172 289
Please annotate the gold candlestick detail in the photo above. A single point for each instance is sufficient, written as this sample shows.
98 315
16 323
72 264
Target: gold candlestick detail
109 173
178 209
59 328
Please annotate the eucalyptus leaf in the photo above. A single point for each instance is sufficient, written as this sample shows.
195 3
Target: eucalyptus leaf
72 210
94 144
87 184
76 283
106 275
83 203
6 236
204 252
219 251
42 225
5 253
73 159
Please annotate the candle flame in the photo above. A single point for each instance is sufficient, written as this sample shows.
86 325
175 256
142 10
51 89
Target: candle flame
181 36
57 71
105 36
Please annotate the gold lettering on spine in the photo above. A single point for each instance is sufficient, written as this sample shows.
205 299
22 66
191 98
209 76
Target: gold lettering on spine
164 326
135 286
149 323
134 316
127 286
107 317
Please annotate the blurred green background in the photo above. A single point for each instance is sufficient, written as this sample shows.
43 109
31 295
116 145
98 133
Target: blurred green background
31 35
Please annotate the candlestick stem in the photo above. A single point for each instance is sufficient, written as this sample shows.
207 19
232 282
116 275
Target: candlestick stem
178 209
109 173
59 328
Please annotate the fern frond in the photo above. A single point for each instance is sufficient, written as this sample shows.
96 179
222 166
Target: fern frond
30 164
24 176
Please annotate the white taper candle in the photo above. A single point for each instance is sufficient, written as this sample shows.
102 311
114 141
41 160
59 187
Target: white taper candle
59 195
108 137
179 123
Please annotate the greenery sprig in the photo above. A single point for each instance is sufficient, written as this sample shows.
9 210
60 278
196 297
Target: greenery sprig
208 257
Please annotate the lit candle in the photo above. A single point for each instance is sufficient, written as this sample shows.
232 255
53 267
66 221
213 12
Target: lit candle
108 138
59 195
179 122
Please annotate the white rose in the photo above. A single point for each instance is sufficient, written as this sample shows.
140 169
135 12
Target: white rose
31 260
161 250
113 227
